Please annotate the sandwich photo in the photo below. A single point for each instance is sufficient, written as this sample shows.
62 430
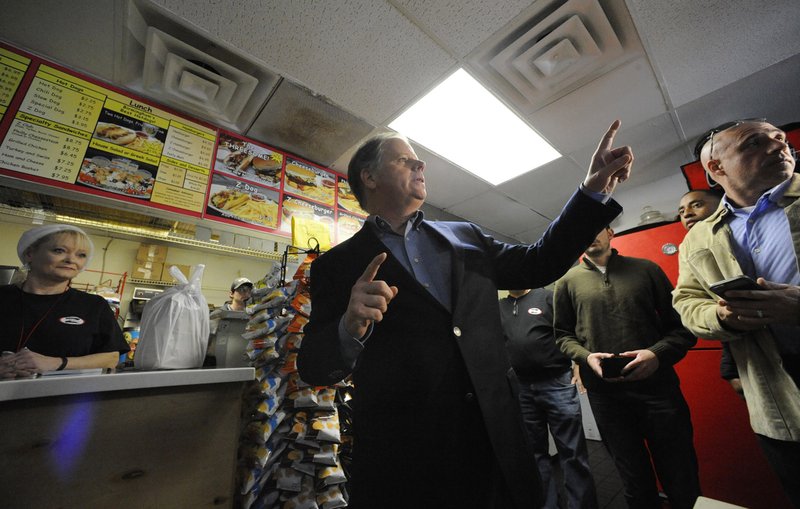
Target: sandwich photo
300 177
266 168
238 161
115 134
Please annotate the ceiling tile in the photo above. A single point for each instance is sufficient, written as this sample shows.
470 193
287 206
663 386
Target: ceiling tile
765 94
46 30
630 93
364 55
447 183
498 212
475 21
532 235
546 189
303 123
656 147
699 47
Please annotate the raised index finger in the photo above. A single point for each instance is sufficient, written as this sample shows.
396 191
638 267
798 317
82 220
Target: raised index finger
608 137
372 269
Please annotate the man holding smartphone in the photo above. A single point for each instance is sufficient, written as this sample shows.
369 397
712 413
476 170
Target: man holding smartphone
612 304
695 206
756 232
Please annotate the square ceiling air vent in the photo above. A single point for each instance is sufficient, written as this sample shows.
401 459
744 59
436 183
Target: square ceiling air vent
556 49
192 79
177 64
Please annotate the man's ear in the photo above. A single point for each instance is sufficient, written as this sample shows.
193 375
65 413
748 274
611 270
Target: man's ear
367 178
714 168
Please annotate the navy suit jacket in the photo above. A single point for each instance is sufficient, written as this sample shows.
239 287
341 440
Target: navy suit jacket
432 386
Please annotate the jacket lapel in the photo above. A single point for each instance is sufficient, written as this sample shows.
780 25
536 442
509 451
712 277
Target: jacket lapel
391 270
457 264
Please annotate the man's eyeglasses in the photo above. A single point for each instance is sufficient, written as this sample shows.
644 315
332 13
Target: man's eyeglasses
708 137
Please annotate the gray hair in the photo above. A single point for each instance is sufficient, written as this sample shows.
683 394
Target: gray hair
368 156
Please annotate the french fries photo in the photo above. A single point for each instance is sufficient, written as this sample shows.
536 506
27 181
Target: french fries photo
253 208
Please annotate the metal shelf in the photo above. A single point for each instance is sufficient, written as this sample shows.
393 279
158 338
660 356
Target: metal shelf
136 232
150 282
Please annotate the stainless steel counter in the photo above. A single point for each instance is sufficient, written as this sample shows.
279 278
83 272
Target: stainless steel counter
63 384
124 440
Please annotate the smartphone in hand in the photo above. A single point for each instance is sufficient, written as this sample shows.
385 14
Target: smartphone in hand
612 366
734 283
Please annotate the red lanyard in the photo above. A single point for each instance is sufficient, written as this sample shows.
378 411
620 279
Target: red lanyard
23 339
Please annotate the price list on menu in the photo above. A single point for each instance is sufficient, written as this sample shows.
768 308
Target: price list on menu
12 70
52 128
92 138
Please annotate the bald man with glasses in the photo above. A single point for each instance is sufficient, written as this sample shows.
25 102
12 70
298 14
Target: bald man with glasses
756 232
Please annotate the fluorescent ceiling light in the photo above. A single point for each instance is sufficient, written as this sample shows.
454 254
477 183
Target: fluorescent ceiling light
463 122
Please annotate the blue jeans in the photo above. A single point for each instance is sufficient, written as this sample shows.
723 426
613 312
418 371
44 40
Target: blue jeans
554 402
637 427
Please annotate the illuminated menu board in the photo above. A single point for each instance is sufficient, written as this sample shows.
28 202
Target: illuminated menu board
68 131
62 129
12 70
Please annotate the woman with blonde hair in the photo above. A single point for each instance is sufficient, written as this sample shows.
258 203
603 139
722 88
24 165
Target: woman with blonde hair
48 326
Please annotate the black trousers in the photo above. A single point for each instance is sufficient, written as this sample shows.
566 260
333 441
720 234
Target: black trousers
643 431
784 458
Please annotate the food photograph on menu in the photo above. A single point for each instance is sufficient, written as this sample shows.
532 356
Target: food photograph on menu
292 207
346 199
130 133
247 160
347 225
117 174
308 181
242 202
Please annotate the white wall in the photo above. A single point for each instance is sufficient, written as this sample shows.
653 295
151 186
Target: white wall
662 195
120 254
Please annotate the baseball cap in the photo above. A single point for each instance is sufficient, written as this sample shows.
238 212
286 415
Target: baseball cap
31 236
239 281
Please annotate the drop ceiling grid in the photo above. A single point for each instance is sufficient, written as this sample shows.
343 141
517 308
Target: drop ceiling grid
702 46
462 25
496 211
577 120
448 184
546 189
364 55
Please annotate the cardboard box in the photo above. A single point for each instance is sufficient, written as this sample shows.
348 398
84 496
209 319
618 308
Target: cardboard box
167 276
147 270
151 253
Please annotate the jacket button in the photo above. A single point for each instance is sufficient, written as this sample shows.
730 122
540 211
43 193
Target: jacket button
469 397
457 332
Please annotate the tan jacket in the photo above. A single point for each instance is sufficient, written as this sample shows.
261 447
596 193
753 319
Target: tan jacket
706 256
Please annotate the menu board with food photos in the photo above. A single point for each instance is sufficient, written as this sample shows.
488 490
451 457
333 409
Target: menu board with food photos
62 129
65 130
254 185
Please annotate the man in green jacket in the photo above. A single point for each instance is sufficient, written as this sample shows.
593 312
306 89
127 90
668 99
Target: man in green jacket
755 232
611 304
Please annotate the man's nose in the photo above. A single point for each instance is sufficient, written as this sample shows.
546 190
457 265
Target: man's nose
418 165
779 145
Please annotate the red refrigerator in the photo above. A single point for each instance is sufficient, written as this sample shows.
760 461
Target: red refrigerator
732 467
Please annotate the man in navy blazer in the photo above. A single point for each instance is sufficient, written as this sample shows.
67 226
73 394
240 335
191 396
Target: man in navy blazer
409 308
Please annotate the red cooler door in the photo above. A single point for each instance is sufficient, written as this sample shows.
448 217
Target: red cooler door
732 467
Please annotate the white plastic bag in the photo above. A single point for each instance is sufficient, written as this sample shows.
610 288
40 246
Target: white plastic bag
173 333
